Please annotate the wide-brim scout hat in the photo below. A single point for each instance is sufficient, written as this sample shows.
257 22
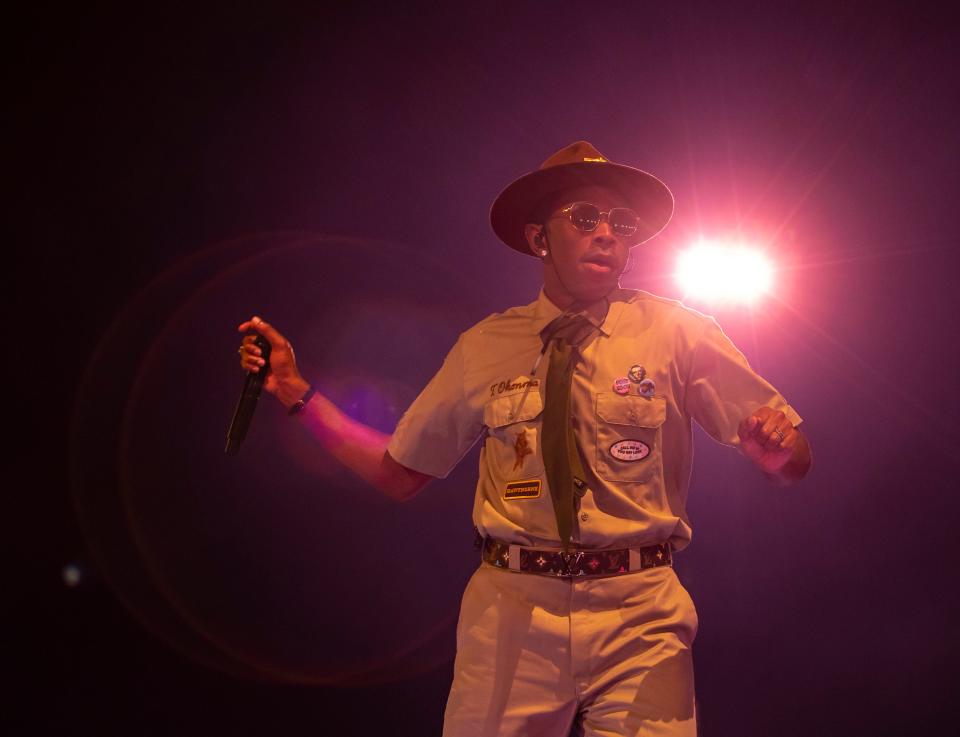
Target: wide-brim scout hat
577 165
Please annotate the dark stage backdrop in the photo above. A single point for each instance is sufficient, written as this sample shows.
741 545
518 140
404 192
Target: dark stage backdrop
176 171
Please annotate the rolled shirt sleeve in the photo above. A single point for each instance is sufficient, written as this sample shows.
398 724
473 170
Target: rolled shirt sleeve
722 389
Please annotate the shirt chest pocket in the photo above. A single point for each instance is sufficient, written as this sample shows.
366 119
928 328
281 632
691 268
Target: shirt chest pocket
629 437
513 434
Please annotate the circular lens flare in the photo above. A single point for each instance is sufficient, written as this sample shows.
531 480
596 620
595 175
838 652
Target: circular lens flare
722 272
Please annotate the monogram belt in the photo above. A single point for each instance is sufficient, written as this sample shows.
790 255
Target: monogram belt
573 563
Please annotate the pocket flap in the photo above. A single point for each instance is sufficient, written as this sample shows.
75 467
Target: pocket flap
513 408
626 410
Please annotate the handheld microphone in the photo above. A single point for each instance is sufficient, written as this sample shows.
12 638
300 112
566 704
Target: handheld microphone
243 414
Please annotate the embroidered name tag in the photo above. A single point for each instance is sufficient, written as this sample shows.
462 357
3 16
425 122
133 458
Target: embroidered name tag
629 451
522 489
513 385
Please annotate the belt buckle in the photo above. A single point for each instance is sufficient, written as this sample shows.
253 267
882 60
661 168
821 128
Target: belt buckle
567 557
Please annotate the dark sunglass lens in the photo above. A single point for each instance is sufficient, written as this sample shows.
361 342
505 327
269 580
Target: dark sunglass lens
624 221
584 216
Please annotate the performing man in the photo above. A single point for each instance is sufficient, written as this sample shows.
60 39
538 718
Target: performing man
574 621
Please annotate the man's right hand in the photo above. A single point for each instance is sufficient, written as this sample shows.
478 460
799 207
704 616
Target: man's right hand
283 380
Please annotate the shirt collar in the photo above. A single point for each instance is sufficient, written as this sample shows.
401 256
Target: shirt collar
545 311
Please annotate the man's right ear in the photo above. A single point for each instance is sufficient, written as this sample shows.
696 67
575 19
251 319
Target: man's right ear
536 240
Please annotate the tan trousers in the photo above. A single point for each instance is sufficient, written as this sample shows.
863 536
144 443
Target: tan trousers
550 657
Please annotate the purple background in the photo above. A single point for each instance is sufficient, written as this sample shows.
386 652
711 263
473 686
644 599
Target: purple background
333 170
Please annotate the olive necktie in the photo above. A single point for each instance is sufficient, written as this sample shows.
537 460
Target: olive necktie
561 458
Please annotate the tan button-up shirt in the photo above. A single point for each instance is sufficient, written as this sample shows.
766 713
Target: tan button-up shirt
637 450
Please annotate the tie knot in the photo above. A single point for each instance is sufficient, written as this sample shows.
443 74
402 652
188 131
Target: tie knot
574 329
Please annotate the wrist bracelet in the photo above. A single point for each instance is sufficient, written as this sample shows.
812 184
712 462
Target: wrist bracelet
297 407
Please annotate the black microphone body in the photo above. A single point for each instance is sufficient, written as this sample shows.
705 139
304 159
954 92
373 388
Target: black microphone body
247 404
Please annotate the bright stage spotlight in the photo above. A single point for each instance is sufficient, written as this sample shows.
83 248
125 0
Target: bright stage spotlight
721 272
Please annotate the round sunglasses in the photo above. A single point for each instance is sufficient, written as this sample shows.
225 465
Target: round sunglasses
586 218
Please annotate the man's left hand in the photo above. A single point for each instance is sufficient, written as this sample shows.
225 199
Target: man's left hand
776 447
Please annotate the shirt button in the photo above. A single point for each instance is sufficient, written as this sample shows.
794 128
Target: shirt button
584 517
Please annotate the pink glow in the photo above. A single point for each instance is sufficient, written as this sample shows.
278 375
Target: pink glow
720 272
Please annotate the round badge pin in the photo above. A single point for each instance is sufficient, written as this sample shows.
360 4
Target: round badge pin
646 388
621 385
637 373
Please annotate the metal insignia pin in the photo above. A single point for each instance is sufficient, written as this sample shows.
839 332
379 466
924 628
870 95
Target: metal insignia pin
646 388
621 385
637 373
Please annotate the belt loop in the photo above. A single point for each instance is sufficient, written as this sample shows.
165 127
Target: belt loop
514 558
636 560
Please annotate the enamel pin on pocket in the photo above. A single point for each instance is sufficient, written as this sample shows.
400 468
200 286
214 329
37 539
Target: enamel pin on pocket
646 388
621 385
637 373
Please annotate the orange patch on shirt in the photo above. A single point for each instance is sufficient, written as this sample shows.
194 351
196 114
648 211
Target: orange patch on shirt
529 489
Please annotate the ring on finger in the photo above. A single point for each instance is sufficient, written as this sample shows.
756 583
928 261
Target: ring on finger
779 434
